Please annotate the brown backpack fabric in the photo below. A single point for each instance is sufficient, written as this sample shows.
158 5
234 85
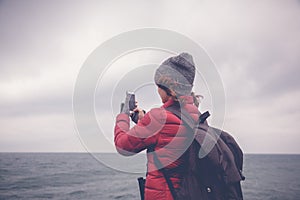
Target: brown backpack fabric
215 162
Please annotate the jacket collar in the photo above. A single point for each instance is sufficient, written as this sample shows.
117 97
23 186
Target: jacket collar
187 99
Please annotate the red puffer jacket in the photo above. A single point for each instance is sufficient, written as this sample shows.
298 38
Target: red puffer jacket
165 132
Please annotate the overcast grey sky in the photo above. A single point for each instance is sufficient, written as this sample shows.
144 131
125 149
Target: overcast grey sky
254 44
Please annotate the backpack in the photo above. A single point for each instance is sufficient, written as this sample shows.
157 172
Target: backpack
215 163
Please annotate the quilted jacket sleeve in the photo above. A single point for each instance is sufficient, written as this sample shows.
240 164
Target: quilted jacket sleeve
144 134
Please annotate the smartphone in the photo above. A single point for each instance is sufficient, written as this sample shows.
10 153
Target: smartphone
131 97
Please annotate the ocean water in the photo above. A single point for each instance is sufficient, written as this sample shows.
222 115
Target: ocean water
80 176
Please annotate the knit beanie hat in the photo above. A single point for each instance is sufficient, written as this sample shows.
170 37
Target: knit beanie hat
176 73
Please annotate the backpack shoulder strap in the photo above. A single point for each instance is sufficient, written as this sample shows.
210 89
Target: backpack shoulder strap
188 120
183 115
186 117
165 174
190 123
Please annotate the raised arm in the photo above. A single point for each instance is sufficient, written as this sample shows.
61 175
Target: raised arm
144 134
